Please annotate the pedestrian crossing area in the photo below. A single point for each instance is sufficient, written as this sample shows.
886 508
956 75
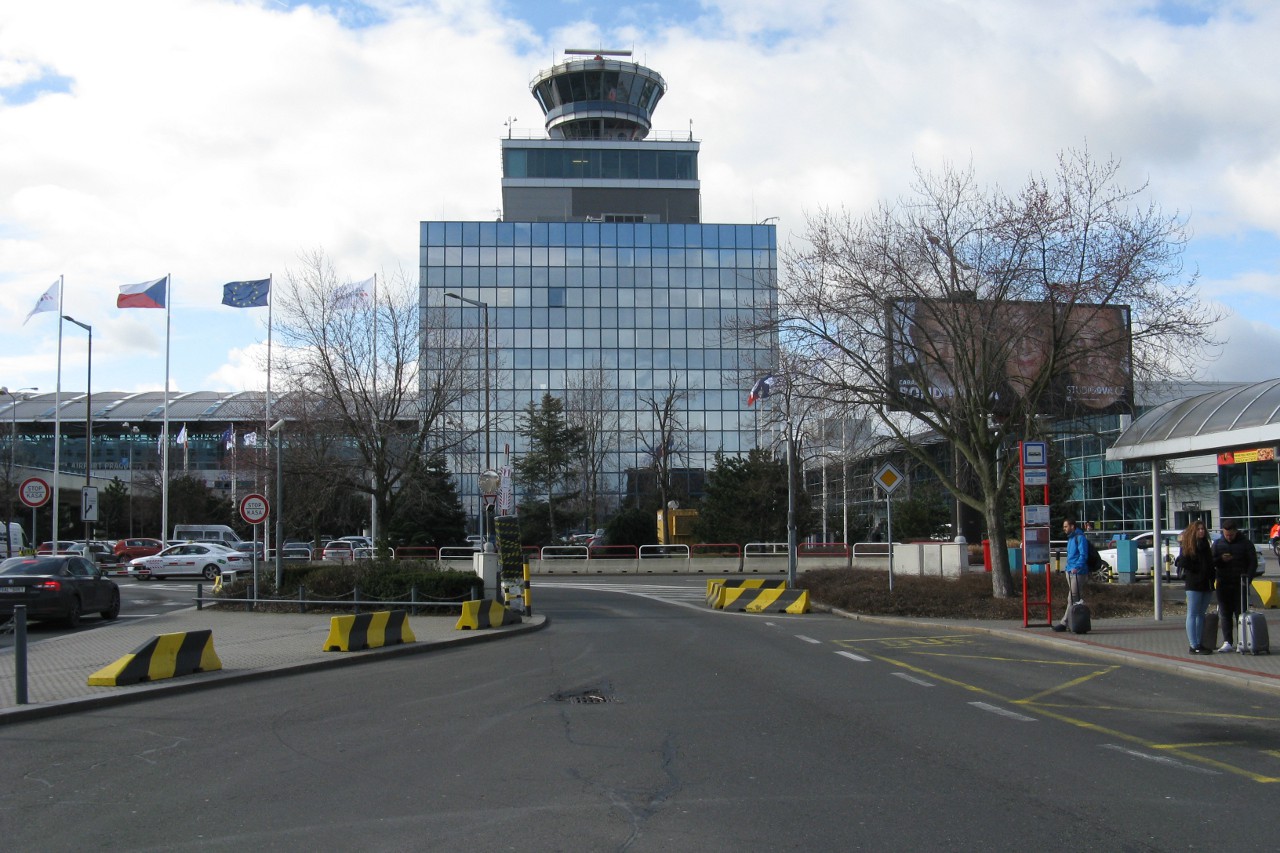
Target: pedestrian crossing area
684 594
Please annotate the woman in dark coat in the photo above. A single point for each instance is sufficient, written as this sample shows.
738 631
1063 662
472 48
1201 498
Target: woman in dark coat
1195 557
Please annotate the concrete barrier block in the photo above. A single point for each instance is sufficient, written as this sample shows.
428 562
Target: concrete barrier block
163 656
368 631
1268 592
485 613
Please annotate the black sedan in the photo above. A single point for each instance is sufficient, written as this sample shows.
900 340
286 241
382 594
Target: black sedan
60 587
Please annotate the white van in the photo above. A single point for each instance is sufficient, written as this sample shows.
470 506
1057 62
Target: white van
205 533
16 536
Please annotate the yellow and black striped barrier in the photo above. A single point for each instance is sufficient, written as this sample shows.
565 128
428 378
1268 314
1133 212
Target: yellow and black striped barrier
368 631
485 613
759 599
163 656
1268 592
714 585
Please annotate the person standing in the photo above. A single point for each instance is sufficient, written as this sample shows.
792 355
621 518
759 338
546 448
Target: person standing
1195 558
1234 558
1076 569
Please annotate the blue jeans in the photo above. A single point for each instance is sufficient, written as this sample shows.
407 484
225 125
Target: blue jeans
1197 604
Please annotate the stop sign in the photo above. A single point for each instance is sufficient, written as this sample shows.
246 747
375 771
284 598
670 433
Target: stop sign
33 492
254 509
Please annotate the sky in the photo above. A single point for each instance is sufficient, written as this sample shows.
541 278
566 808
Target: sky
220 140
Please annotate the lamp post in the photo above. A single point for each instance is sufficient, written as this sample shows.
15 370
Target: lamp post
88 434
278 505
13 447
490 482
133 437
488 463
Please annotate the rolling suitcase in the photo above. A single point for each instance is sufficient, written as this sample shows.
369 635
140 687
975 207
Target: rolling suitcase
1209 636
1079 619
1251 626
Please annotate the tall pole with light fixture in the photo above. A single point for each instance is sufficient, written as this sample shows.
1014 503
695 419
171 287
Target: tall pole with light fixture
277 506
88 431
488 405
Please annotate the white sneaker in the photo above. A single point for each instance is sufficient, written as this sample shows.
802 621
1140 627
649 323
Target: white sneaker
1226 647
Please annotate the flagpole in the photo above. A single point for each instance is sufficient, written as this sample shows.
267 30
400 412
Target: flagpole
266 424
57 425
164 434
373 498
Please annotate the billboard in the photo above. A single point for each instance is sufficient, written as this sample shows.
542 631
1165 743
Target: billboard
1071 360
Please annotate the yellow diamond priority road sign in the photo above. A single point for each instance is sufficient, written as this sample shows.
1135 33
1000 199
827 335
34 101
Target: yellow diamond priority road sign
888 478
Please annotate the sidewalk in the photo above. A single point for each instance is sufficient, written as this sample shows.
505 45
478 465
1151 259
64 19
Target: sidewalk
1137 641
250 645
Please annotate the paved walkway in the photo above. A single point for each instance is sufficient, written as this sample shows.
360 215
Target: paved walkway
250 645
259 645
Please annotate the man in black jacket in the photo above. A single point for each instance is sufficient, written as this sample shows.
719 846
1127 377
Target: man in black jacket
1234 558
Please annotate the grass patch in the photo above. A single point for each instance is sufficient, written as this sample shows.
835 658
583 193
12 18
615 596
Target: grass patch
969 596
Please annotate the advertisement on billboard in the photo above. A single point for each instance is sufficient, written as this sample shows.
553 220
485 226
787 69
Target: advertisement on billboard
1074 360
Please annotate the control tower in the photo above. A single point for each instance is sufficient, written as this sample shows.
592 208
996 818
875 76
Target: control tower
600 160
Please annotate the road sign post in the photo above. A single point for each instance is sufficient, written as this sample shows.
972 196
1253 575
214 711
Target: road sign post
34 492
888 478
254 509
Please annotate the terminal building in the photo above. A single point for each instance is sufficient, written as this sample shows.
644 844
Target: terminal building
602 266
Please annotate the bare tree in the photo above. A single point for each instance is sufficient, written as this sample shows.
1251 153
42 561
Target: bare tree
591 405
924 312
351 356
663 439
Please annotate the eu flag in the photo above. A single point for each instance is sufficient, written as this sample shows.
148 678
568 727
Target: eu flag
246 294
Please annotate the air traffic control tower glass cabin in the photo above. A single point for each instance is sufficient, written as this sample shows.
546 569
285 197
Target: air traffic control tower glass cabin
601 273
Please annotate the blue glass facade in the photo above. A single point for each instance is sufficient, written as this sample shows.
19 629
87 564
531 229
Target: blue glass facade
647 304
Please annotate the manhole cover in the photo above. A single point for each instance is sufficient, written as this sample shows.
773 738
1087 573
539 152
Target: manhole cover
584 697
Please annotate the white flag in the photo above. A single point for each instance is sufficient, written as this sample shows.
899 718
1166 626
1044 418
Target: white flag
355 295
182 435
250 439
47 302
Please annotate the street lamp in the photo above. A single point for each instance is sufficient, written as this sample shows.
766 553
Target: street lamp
13 446
488 404
88 435
490 482
133 438
278 507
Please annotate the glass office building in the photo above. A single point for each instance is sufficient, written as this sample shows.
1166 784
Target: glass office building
602 267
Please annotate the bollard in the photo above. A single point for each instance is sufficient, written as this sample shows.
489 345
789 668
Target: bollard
20 654
528 598
302 599
355 599
199 596
413 600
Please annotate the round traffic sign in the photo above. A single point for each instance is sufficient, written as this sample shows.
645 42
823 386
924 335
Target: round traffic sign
254 509
33 492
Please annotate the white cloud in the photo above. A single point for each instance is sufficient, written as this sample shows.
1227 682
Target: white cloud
215 140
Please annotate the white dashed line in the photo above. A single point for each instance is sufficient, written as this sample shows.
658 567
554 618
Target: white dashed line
1160 759
908 677
852 656
1004 712
808 639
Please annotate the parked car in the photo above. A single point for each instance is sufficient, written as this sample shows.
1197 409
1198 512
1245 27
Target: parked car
191 559
103 554
64 545
131 549
357 541
1170 547
248 548
57 587
339 550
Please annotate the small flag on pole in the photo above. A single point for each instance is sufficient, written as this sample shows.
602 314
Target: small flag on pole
251 439
246 294
182 435
354 295
47 302
147 294
761 390
229 438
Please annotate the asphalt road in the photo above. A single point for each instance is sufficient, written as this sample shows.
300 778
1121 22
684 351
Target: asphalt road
642 722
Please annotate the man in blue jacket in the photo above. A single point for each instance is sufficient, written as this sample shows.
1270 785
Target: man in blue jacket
1077 568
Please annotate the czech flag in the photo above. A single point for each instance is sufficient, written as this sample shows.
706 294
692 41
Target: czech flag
762 389
148 294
